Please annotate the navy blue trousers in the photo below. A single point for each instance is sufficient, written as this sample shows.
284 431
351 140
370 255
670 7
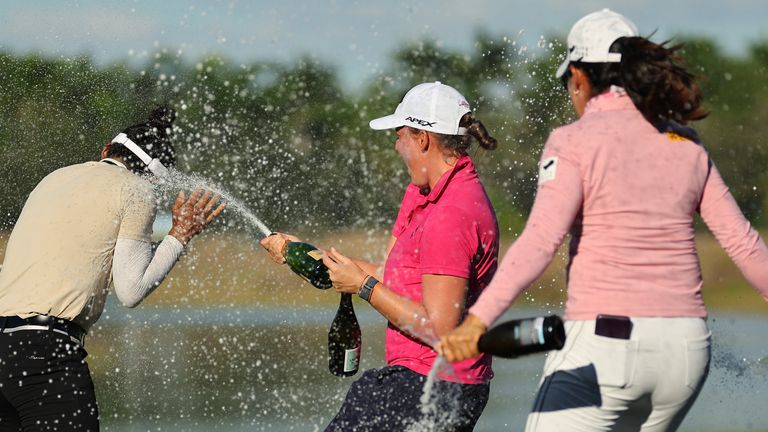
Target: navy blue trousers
389 399
45 384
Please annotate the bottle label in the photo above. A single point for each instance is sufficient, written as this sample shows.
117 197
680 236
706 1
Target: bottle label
351 359
315 254
530 332
538 324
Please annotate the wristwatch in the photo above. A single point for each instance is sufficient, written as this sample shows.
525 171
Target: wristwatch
367 289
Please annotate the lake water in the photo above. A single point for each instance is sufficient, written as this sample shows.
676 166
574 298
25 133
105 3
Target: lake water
237 369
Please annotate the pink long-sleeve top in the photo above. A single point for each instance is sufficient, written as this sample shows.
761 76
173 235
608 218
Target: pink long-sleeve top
628 194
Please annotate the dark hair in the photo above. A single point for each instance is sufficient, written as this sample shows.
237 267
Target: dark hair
153 136
653 76
460 143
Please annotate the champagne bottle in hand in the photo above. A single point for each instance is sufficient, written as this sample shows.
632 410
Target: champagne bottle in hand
307 261
344 340
523 336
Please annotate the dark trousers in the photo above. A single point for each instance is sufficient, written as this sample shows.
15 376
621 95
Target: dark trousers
45 384
390 399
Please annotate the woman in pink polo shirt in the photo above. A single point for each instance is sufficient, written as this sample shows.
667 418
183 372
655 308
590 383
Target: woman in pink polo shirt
626 179
442 253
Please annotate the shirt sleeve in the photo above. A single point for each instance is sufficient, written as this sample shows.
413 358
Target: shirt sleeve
733 231
136 272
138 211
558 202
448 243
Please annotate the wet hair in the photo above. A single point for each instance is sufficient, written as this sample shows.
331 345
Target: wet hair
460 143
653 76
153 136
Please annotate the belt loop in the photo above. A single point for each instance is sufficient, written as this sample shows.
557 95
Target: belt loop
2 323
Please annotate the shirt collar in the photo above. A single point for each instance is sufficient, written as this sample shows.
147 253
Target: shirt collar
462 164
114 162
615 98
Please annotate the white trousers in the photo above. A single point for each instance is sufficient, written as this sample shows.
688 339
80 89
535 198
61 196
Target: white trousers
647 383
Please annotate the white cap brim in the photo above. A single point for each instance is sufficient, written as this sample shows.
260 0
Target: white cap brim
563 68
387 122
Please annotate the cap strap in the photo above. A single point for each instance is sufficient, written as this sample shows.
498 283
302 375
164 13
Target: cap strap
154 165
123 139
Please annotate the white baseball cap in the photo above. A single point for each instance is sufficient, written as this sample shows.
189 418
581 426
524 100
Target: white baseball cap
433 107
591 38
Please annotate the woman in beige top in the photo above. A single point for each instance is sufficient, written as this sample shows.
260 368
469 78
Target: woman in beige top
83 226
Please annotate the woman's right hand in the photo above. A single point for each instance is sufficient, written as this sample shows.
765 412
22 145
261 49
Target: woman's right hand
274 244
461 343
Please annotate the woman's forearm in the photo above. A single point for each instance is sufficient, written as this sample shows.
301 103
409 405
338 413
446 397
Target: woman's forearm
137 271
407 315
439 312
374 269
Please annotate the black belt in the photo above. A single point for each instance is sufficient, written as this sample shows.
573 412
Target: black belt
9 324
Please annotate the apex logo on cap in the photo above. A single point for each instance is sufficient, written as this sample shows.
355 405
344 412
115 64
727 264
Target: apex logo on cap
421 122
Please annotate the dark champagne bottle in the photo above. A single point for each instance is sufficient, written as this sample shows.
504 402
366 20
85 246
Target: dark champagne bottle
523 336
307 261
344 340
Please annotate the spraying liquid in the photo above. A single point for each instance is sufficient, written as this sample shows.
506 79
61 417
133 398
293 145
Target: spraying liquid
439 407
176 181
740 368
425 397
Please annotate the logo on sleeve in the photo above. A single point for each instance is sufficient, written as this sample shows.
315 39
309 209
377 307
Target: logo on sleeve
547 169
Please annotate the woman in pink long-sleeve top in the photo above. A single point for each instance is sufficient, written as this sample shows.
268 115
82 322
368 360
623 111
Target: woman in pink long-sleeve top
626 180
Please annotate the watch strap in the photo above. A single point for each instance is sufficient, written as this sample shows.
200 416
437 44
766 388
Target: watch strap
367 289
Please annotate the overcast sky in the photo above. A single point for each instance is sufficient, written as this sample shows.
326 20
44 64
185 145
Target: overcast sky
355 36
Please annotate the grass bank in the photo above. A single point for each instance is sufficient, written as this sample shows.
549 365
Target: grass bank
231 269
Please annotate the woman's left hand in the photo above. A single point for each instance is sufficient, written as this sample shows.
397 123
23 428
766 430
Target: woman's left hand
347 277
192 214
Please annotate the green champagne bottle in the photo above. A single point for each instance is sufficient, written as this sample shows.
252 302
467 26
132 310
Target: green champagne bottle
523 336
307 261
344 340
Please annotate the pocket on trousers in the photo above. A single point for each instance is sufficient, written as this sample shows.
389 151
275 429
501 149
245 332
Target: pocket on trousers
614 360
697 356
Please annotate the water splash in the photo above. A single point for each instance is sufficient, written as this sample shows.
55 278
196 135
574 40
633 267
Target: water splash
740 367
430 383
420 327
176 181
439 404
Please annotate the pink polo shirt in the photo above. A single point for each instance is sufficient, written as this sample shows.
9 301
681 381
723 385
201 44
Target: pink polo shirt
451 231
628 194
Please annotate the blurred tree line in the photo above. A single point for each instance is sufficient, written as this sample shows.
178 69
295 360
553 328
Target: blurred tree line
289 141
